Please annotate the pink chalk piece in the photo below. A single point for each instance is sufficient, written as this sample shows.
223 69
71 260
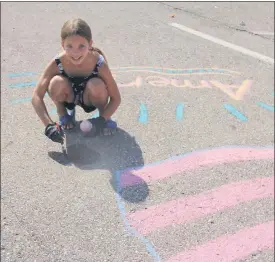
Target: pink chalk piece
186 209
192 161
231 247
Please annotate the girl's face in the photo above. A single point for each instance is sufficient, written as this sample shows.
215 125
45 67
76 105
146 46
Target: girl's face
76 48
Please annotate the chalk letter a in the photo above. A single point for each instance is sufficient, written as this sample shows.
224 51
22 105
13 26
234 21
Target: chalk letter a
239 94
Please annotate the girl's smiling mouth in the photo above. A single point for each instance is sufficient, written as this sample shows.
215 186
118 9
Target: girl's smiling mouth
76 59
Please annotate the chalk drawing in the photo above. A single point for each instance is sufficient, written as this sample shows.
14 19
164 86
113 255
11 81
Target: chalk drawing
161 81
152 251
95 114
19 101
22 74
241 90
235 112
165 78
186 209
143 114
242 243
20 85
265 106
175 165
231 247
170 71
158 81
179 111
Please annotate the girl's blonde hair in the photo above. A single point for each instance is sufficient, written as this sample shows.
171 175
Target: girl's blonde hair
79 27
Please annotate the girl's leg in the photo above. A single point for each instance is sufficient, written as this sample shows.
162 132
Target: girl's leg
96 94
60 91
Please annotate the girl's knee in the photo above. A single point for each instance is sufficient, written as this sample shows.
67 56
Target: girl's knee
97 89
59 88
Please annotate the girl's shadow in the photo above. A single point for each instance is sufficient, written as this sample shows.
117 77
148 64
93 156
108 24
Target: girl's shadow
115 153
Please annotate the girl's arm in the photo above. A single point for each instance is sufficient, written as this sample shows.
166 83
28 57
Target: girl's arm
113 91
39 93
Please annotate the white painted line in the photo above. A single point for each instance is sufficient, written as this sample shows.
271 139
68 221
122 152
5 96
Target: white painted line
263 33
224 43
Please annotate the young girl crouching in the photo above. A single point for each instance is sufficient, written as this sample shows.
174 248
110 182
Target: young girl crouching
78 76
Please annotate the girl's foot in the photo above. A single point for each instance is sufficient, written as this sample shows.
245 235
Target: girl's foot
68 120
111 124
109 128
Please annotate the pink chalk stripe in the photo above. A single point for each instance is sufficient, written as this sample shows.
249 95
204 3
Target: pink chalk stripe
186 209
192 161
231 247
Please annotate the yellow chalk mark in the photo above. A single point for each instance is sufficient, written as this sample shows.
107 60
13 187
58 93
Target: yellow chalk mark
186 83
148 69
239 94
136 83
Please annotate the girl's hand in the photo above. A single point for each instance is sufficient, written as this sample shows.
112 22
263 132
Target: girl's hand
55 133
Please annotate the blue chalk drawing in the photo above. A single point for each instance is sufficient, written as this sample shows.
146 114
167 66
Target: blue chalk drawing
95 114
18 101
179 111
265 106
22 74
235 112
129 228
143 114
20 85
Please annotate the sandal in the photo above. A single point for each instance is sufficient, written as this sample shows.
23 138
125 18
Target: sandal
111 124
111 128
67 120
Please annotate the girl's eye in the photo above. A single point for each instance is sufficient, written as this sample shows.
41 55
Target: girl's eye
82 46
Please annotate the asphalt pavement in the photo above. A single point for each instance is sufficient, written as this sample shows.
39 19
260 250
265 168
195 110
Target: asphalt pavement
189 176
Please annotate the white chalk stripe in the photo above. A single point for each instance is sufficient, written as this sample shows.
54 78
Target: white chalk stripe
224 43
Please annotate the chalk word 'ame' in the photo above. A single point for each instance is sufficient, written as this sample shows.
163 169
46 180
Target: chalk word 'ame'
235 92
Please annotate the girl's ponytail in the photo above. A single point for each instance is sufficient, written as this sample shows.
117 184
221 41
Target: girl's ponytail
100 52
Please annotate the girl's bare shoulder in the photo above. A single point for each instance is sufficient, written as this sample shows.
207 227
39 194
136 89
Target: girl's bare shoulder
51 68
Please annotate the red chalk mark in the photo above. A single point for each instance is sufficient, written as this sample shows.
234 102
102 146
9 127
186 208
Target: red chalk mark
231 247
187 209
193 161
